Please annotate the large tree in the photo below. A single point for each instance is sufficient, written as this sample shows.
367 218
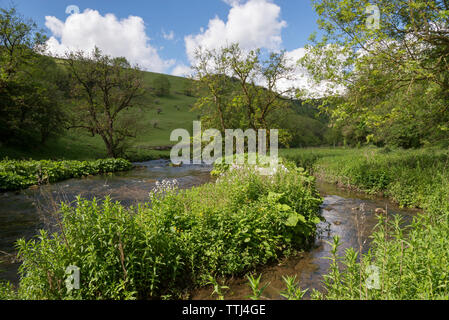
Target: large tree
104 88
396 77
240 89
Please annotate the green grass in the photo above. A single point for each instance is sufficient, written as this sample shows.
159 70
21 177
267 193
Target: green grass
79 145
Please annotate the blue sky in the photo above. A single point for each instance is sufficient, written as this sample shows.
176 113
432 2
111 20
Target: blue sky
276 24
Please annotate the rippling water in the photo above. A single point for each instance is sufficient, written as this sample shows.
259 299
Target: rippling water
23 213
341 209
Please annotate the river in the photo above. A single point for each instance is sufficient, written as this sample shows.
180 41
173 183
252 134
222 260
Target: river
348 214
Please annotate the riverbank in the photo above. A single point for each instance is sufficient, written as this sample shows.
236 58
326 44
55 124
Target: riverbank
410 262
341 210
411 258
17 175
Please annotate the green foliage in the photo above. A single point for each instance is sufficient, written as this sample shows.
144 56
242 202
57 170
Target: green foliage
7 291
33 87
396 86
15 175
104 88
403 175
293 290
230 98
411 259
182 238
218 288
256 287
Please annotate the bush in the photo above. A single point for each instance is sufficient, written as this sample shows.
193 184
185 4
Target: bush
161 86
7 291
174 242
16 175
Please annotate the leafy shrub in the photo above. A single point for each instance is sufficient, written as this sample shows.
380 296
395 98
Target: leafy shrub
16 175
178 240
7 291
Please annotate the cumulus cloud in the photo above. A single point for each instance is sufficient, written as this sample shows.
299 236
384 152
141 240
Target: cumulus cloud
182 70
254 24
304 81
125 38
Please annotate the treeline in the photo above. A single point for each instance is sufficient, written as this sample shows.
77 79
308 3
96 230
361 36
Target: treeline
42 97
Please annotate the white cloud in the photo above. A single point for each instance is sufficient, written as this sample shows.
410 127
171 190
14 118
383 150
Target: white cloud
304 81
125 37
254 24
181 70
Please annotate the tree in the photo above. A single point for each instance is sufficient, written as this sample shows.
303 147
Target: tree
104 88
31 85
47 92
394 75
238 88
161 86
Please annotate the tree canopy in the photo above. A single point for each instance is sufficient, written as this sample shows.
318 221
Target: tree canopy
395 77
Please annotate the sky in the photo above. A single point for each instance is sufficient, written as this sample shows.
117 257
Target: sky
161 35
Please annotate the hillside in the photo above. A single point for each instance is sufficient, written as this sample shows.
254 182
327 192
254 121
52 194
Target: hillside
154 129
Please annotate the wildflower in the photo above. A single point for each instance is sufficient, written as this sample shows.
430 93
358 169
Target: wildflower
164 187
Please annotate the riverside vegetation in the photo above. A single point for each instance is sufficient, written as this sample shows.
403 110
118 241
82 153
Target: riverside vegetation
16 175
176 241
412 260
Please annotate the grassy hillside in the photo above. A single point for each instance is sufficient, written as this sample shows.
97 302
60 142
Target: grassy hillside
154 130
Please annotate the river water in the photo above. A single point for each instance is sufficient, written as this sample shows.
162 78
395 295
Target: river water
349 215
